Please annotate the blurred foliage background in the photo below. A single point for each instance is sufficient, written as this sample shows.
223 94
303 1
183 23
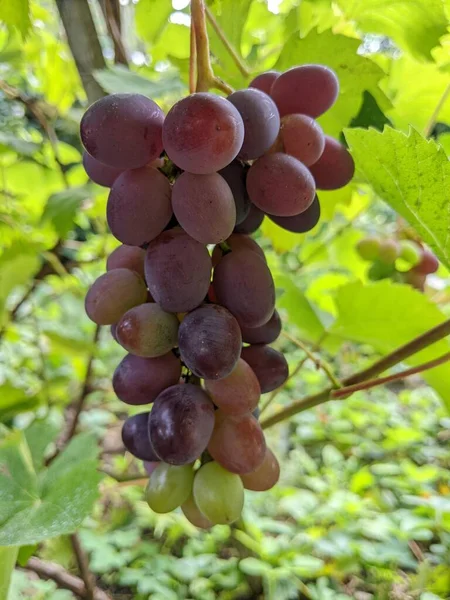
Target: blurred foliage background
363 506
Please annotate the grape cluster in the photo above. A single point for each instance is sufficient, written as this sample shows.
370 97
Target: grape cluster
197 324
403 260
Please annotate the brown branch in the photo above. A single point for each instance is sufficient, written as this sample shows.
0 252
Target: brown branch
371 383
83 566
63 579
413 347
111 13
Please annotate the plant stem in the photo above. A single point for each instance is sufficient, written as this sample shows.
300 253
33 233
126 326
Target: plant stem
205 75
192 58
275 393
432 122
414 346
366 385
83 566
223 38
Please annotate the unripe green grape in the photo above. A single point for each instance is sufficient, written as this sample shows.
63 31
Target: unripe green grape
218 493
193 514
379 270
389 252
410 252
369 248
168 487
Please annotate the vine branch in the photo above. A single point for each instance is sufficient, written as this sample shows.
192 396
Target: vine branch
83 566
400 354
439 106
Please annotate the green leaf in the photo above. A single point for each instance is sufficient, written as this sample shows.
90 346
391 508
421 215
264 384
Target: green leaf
16 14
8 558
119 79
356 73
386 316
151 18
254 566
14 400
9 141
62 207
416 27
412 175
33 509
25 553
39 435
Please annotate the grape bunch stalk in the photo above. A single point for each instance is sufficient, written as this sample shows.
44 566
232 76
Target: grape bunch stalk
189 294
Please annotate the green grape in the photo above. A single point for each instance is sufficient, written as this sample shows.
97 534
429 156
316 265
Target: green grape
389 252
369 248
168 487
379 270
218 493
193 514
410 252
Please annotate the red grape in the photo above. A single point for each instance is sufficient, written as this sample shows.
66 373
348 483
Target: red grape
308 89
139 206
428 263
244 285
181 423
235 174
269 365
203 133
136 439
261 121
123 130
237 443
265 476
238 392
280 185
138 380
210 341
127 257
99 172
193 514
147 330
252 221
302 137
265 334
264 81
204 207
335 168
177 271
301 223
237 241
112 294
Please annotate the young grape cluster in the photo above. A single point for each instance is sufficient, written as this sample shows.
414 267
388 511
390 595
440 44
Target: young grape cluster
403 260
197 324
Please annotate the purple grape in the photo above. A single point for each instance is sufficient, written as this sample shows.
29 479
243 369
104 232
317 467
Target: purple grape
123 130
181 423
127 257
235 175
301 223
210 341
269 365
136 438
265 334
335 168
252 221
99 172
264 81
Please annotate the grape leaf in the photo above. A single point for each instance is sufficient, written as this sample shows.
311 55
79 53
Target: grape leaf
387 315
35 508
62 207
412 175
8 558
16 14
149 29
416 27
118 79
39 435
356 73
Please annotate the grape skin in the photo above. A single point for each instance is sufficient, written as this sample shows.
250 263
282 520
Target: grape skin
112 294
147 331
301 223
280 185
243 284
265 476
269 365
428 264
98 172
210 341
193 514
264 81
139 206
204 207
308 89
218 494
181 423
168 487
369 248
127 257
237 443
235 175
203 133
252 221
138 380
237 241
123 130
261 121
177 271
136 439
335 168
238 392
265 334
302 137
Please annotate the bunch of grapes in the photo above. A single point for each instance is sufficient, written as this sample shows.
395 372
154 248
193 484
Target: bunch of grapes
189 294
403 260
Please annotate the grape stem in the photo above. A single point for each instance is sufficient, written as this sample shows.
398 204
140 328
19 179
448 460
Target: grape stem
192 58
397 356
205 74
434 117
